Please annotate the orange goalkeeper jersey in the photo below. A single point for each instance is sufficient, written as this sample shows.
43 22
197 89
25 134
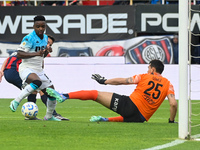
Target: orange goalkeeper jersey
150 92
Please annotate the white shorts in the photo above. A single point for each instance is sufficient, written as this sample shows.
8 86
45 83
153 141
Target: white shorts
45 80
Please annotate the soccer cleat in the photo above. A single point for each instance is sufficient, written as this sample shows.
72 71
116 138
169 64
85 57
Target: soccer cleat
59 97
98 119
13 105
52 119
35 118
58 116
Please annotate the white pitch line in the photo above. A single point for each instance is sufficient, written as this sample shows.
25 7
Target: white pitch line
173 143
195 137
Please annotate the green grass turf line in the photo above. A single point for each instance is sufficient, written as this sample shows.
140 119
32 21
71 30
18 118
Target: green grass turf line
80 134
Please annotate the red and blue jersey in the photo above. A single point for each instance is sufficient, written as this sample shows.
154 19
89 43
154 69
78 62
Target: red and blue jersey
13 63
11 71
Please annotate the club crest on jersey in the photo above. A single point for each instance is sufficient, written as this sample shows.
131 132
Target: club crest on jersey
149 49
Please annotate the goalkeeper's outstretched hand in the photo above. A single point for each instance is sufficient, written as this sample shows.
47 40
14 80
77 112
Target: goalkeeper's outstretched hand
99 78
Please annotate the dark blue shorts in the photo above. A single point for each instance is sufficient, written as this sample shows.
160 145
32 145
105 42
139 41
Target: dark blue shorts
12 76
124 106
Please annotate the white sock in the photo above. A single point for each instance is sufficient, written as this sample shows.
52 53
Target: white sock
51 105
24 93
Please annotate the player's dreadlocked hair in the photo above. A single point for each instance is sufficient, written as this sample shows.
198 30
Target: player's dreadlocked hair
158 65
39 18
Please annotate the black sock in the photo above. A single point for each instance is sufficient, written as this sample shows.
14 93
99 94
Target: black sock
66 95
32 98
44 99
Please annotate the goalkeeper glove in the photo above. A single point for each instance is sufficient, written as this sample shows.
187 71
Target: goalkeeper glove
172 121
99 78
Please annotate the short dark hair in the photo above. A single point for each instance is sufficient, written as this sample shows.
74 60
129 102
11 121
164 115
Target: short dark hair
39 18
158 65
51 37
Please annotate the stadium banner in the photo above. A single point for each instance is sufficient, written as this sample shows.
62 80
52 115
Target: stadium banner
96 30
94 23
156 19
138 50
75 23
162 19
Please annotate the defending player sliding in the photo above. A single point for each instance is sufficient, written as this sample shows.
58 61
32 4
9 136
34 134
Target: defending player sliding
152 88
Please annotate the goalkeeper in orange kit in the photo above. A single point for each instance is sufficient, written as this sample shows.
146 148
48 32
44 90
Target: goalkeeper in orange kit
151 90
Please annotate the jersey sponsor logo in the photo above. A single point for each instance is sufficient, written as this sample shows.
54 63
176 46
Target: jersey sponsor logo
148 99
149 49
157 79
38 48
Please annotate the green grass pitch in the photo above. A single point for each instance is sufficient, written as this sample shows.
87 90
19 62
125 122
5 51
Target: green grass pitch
80 134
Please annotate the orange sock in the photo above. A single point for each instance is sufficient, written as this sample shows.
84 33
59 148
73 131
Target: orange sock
116 119
84 95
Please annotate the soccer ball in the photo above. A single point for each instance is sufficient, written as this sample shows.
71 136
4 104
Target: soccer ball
29 110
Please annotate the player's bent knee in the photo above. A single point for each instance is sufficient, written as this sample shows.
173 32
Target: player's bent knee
36 84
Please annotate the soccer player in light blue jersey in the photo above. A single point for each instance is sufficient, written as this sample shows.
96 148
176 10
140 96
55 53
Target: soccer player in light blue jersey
32 51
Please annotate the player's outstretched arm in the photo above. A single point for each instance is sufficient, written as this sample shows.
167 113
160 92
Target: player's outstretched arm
24 55
114 81
99 78
173 107
119 81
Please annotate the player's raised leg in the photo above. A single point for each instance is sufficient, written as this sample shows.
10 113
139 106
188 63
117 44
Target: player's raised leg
59 97
110 119
103 98
24 93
